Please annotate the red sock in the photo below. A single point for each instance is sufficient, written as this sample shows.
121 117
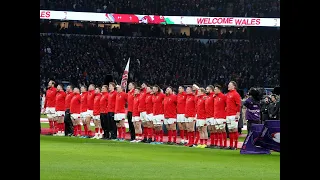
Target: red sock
119 132
186 132
156 136
161 135
201 141
190 134
51 124
216 139
169 135
145 130
231 137
212 137
205 141
220 139
101 130
236 136
79 130
224 137
96 130
197 137
123 132
174 136
182 134
75 130
62 126
85 126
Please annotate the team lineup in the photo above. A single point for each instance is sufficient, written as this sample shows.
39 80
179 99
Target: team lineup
148 108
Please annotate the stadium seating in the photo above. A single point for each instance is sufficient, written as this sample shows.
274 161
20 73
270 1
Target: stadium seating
228 8
164 61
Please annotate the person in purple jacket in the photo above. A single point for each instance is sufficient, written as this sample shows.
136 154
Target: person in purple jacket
253 107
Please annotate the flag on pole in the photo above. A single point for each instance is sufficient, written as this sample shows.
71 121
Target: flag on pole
125 75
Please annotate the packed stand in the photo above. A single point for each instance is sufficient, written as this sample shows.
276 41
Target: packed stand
235 8
87 59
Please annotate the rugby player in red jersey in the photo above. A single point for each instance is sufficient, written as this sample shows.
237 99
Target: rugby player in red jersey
83 109
170 114
233 113
158 113
49 105
149 111
220 105
96 114
190 113
111 110
105 124
142 110
201 118
67 117
120 112
60 107
210 121
136 116
75 104
90 101
181 119
131 88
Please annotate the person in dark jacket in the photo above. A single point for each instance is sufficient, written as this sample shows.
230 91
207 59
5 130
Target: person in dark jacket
253 107
265 109
274 108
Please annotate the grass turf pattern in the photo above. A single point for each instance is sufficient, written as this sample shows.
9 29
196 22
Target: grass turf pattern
67 158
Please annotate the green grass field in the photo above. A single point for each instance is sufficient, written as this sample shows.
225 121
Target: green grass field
67 158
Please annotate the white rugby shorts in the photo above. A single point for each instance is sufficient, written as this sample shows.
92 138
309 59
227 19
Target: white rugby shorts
201 123
51 112
97 117
143 116
221 123
75 116
60 113
181 118
169 120
232 122
83 114
136 119
211 121
89 113
119 116
190 119
150 117
158 119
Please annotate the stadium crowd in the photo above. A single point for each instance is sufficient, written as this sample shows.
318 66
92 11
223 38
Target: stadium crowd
82 59
229 8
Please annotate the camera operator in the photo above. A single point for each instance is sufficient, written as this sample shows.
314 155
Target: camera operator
274 108
265 109
253 107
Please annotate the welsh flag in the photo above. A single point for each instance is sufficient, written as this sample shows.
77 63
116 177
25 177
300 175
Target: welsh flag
125 75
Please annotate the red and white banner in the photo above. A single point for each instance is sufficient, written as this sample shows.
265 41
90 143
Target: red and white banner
125 76
158 19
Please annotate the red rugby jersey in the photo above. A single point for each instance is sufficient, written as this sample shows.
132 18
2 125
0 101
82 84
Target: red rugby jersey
170 106
201 112
209 104
149 104
190 110
121 99
220 104
50 99
157 100
69 96
135 111
142 100
96 104
75 104
90 99
112 101
104 102
60 100
84 99
181 102
233 103
130 100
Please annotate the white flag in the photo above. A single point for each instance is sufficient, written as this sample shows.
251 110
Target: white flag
125 75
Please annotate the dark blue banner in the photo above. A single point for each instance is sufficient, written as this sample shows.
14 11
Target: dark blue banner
248 146
270 136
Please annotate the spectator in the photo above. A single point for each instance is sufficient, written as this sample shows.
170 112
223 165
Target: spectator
274 108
